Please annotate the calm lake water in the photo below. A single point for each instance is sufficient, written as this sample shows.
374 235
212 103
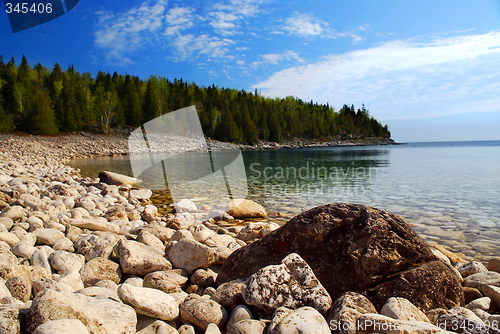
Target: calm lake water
448 191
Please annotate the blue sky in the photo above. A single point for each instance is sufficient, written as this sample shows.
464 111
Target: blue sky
429 69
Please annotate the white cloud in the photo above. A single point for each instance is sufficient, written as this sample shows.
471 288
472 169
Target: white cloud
187 46
304 25
276 58
178 19
402 79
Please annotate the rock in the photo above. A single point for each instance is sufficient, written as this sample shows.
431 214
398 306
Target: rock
244 208
48 236
435 313
6 222
108 284
191 255
139 259
303 320
24 249
99 315
30 272
117 179
248 326
116 212
212 329
493 264
240 312
135 281
201 311
200 232
427 286
459 322
185 205
252 231
9 319
347 309
162 233
93 246
293 281
471 294
99 269
40 259
72 279
376 323
349 247
471 268
203 278
150 213
64 244
66 326
94 224
19 287
6 256
218 215
149 302
229 294
158 327
63 261
149 239
480 279
167 281
481 303
140 194
493 292
186 329
15 212
401 309
96 291
9 238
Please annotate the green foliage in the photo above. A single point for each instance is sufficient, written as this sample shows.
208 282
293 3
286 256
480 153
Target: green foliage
37 100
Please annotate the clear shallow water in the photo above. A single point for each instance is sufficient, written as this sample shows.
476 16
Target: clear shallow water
449 192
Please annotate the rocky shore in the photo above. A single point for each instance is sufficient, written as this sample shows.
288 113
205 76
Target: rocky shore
80 255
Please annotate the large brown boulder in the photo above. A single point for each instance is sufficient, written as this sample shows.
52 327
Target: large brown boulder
350 248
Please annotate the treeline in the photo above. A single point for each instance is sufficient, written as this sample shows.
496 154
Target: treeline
42 101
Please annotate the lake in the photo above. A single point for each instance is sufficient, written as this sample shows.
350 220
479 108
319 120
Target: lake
448 191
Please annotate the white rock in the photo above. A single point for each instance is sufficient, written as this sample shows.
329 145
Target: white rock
24 249
158 327
185 205
240 312
303 320
149 302
402 309
66 326
191 255
63 261
48 236
72 279
139 259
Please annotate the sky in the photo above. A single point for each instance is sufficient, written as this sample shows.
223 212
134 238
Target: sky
428 69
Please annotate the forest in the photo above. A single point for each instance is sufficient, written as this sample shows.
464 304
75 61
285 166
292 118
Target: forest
41 101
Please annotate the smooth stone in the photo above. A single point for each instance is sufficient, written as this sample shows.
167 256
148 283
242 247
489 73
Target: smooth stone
24 249
158 327
212 329
149 239
9 238
240 312
108 284
191 255
6 222
248 326
303 320
480 279
494 265
40 259
480 303
293 281
116 212
473 267
139 259
48 236
161 232
96 291
99 269
64 244
455 322
66 326
5 295
186 329
7 258
185 205
140 194
203 278
167 281
201 311
72 279
252 231
94 224
63 261
117 179
244 208
99 315
493 292
15 212
401 309
149 302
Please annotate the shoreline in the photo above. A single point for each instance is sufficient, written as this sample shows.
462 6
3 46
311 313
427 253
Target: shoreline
66 147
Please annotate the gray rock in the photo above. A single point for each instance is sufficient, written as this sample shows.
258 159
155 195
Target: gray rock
66 326
291 284
149 302
99 315
201 311
139 259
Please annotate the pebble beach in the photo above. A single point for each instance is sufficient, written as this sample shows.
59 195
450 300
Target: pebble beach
79 255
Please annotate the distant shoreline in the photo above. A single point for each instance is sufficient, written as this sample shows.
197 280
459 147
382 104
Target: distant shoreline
70 146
